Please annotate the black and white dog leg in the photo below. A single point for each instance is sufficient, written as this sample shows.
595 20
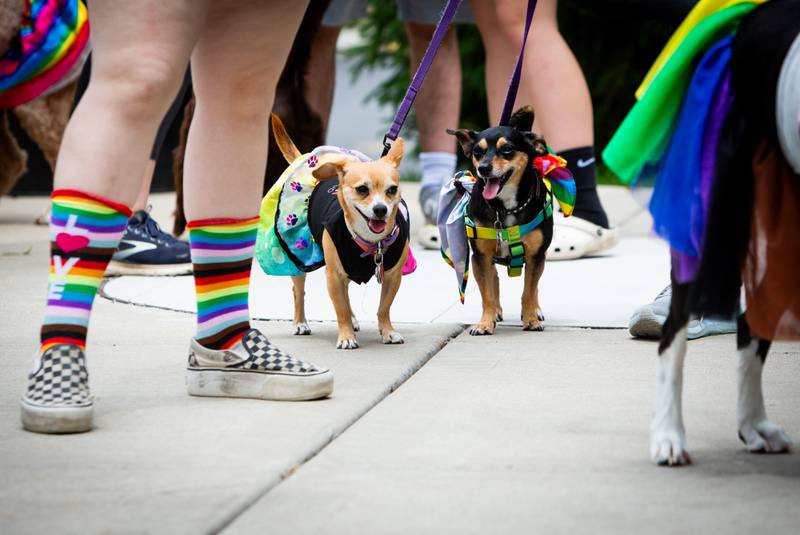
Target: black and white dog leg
667 434
758 433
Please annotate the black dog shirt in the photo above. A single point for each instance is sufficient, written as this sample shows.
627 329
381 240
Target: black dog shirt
325 212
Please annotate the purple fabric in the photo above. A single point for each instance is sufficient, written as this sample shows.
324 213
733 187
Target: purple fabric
513 85
722 105
442 26
685 266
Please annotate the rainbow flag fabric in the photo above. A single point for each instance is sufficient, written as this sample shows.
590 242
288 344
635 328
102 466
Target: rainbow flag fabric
558 179
52 39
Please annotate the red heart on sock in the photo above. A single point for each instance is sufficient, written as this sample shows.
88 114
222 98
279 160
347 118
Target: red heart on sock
71 242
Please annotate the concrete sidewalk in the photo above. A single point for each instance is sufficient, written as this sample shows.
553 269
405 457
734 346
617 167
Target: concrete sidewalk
519 432
489 438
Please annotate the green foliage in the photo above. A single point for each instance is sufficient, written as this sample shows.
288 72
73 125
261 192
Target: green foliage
614 51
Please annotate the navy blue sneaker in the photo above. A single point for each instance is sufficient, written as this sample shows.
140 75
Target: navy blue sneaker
145 249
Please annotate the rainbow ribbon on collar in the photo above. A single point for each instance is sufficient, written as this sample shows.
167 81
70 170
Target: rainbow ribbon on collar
558 179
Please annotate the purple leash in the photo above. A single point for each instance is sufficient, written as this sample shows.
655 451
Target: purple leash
442 26
513 84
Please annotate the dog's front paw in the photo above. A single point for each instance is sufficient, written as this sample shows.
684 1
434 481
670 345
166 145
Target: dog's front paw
668 448
346 343
356 325
764 437
393 337
301 329
482 329
540 314
532 325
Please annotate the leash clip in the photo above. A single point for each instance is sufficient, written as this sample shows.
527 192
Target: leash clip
378 258
386 145
498 229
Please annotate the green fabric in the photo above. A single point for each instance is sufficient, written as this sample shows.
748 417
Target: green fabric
645 131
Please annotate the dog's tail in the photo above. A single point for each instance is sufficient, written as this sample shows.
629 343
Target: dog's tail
285 143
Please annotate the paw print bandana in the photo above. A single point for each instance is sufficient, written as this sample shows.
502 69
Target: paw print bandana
284 245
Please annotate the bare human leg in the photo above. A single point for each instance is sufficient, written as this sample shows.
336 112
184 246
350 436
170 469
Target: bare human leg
140 53
234 74
552 83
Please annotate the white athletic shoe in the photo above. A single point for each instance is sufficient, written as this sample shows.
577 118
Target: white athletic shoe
574 238
254 368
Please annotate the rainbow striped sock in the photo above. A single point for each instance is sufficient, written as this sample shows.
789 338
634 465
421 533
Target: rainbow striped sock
84 232
222 255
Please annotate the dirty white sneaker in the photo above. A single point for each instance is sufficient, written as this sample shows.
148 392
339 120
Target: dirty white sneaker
254 368
58 399
428 235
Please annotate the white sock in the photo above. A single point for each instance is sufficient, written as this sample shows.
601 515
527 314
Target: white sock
437 167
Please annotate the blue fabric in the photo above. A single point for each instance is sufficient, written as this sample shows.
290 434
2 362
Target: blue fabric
675 205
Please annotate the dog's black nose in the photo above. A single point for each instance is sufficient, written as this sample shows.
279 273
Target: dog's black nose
380 210
485 169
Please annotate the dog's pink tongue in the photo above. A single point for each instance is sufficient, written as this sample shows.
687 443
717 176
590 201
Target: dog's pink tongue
376 225
491 189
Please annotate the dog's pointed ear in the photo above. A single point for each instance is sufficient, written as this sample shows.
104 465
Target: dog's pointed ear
329 170
522 119
466 138
536 142
395 154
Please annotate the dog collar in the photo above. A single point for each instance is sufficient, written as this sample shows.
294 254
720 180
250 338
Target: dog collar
377 249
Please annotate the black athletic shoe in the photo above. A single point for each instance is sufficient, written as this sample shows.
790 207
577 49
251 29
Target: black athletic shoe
145 249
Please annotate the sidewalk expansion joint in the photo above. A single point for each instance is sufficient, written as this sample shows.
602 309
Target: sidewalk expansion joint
324 442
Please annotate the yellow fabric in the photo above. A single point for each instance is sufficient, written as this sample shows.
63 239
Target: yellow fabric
701 10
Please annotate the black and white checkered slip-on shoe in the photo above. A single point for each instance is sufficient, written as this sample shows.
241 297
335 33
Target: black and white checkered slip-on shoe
58 399
254 368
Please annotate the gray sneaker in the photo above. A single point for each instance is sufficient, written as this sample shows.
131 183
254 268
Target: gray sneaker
254 368
428 235
58 399
429 200
647 321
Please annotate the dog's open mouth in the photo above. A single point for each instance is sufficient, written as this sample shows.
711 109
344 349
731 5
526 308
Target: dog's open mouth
493 185
375 225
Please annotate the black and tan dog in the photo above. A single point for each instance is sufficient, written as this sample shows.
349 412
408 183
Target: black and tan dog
509 192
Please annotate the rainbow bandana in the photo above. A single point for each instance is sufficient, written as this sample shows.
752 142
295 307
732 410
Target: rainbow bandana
52 40
558 179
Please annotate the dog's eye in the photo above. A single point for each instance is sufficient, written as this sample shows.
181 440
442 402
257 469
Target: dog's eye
477 152
362 190
392 190
506 152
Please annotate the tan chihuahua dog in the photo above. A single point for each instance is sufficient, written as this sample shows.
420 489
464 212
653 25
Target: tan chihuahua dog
357 215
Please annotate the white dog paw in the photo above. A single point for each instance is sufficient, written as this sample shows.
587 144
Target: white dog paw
301 329
764 437
393 338
347 343
356 325
669 449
